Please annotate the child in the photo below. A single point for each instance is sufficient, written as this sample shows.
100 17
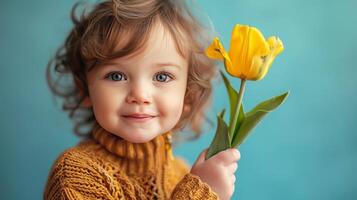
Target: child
139 76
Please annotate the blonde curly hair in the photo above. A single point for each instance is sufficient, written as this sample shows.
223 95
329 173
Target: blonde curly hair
93 39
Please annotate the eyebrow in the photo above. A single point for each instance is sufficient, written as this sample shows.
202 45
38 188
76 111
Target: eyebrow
163 64
167 64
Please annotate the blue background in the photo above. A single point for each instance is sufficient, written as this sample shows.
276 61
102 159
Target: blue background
306 149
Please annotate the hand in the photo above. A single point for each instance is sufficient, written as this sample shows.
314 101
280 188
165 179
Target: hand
218 171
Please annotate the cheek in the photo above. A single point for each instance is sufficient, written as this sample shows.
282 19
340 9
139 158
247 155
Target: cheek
171 104
105 101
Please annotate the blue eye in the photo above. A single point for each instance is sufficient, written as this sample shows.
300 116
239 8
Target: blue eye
162 76
116 76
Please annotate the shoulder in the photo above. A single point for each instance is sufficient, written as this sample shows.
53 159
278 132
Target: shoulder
81 170
181 164
79 157
177 169
85 160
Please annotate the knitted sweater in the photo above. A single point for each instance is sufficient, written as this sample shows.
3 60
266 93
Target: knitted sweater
108 167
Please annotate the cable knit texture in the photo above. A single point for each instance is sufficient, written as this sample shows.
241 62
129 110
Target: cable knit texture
108 167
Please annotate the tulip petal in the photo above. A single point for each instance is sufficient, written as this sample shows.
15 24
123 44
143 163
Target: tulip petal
261 64
250 55
214 51
276 45
217 51
258 50
246 43
256 68
265 67
257 45
236 48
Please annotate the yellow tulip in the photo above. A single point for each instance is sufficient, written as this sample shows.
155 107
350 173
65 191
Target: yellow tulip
250 55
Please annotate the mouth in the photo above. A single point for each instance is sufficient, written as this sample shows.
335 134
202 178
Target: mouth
138 117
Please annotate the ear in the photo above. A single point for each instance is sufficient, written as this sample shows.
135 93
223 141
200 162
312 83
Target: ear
87 103
186 107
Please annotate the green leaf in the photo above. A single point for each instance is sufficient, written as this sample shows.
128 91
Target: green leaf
241 117
221 114
221 140
253 117
233 100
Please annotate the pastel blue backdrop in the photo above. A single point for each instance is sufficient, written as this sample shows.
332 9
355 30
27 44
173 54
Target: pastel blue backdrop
306 149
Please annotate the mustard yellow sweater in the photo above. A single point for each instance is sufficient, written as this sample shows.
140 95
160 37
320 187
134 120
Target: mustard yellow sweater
108 167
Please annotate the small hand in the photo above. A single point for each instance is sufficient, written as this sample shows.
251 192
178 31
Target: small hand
218 171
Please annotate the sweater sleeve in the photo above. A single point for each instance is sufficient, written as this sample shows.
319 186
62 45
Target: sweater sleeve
75 177
191 187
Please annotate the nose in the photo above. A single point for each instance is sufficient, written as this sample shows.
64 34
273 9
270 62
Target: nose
139 93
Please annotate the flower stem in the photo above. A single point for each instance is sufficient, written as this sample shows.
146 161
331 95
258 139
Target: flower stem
232 126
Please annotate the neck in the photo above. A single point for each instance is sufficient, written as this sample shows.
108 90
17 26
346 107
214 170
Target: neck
145 157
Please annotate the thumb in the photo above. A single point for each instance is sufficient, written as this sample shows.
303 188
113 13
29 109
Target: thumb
201 157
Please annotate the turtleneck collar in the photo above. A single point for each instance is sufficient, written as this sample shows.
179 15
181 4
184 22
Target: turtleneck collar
159 147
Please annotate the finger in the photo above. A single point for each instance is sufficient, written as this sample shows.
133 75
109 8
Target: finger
233 179
232 168
231 190
237 155
228 156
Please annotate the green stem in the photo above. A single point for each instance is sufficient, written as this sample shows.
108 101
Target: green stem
236 112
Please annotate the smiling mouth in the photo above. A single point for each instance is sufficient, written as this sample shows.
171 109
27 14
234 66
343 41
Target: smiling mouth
138 118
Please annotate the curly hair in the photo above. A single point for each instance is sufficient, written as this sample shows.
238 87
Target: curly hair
93 40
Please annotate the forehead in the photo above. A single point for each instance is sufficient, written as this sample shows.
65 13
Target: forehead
159 46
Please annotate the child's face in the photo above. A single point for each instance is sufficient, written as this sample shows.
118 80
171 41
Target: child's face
140 97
